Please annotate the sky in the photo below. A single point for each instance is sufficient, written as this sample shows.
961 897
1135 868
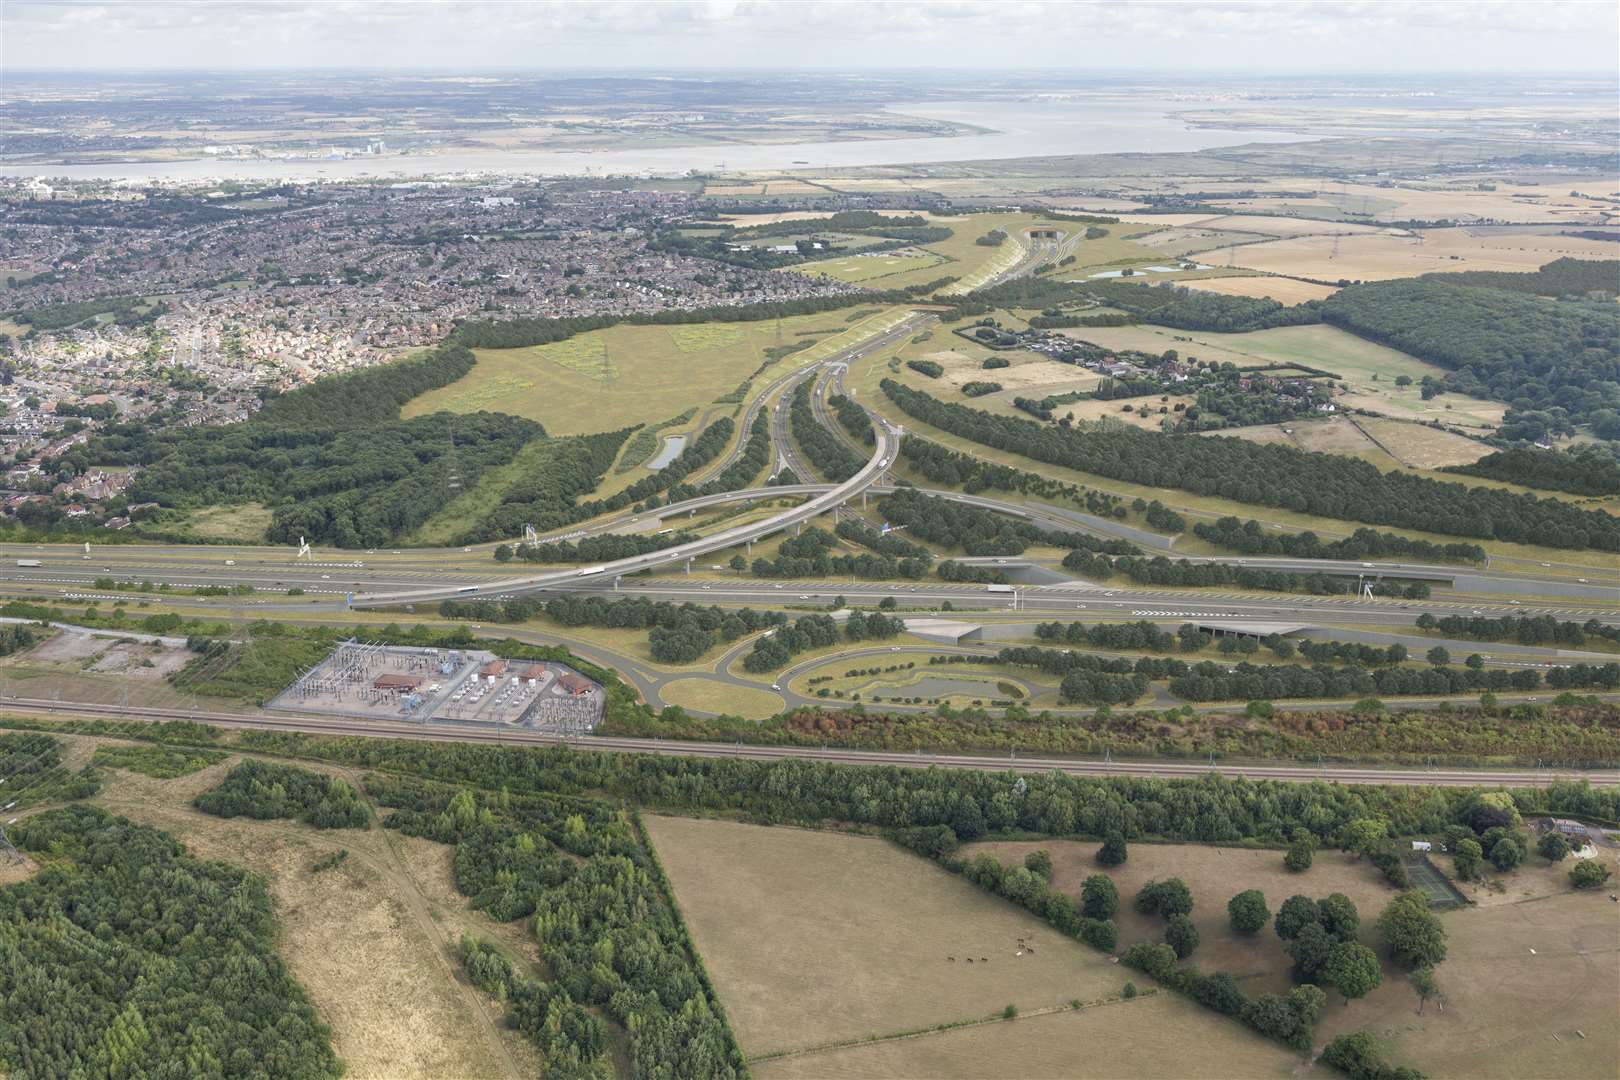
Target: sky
1391 37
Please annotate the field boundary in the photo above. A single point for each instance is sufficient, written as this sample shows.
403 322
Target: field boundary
939 1029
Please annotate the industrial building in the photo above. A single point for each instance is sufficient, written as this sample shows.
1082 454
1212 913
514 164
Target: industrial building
464 686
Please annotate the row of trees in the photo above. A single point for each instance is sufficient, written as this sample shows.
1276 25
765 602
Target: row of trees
1209 681
807 556
1177 306
1130 635
854 418
1328 485
950 468
1524 629
1251 538
1579 472
775 649
1181 573
128 956
975 531
831 456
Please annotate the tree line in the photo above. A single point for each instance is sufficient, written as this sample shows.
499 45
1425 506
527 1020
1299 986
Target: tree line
950 468
808 556
1182 308
1327 485
1524 629
831 456
1181 573
976 531
815 632
1209 681
1589 472
1251 538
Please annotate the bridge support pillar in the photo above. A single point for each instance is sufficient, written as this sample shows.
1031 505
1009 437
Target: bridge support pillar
688 566
615 582
798 528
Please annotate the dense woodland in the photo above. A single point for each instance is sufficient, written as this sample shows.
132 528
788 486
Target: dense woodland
557 474
1327 485
1190 309
127 956
332 459
809 555
34 773
264 791
610 937
1591 472
979 532
1557 357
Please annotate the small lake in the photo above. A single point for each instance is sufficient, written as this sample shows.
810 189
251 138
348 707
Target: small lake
673 445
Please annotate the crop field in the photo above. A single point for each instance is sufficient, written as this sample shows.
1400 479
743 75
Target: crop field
1550 202
368 940
625 375
816 937
1371 257
1281 289
1120 1040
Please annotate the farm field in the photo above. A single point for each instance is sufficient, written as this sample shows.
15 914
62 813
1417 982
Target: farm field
1375 257
626 374
1281 289
1068 1043
863 945
1550 202
370 940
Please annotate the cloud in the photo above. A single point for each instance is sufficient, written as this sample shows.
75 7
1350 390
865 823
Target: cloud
1003 35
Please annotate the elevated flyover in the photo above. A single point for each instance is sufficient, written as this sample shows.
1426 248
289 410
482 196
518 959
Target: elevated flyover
883 453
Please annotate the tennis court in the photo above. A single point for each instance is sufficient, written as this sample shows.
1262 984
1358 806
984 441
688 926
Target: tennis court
1427 877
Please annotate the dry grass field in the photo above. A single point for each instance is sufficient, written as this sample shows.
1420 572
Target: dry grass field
1281 289
633 374
1423 447
876 268
813 938
1335 435
1214 875
1372 257
370 941
1122 1040
1532 990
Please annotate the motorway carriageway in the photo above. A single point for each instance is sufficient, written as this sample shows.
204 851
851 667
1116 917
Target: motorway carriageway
1441 777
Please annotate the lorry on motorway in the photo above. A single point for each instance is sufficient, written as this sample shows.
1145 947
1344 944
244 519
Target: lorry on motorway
28 562
591 570
468 588
999 588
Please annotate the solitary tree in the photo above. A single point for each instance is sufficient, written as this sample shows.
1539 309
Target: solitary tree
1588 874
1553 847
1467 857
1099 899
1247 911
1113 852
1411 932
1439 656
1301 851
1353 968
1426 987
1181 935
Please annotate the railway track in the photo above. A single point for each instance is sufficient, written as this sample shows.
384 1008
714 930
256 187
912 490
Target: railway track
1447 777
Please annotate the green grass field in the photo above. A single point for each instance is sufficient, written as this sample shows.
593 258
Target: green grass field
854 269
626 375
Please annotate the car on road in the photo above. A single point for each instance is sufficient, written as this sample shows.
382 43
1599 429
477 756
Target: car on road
804 596
776 686
780 586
